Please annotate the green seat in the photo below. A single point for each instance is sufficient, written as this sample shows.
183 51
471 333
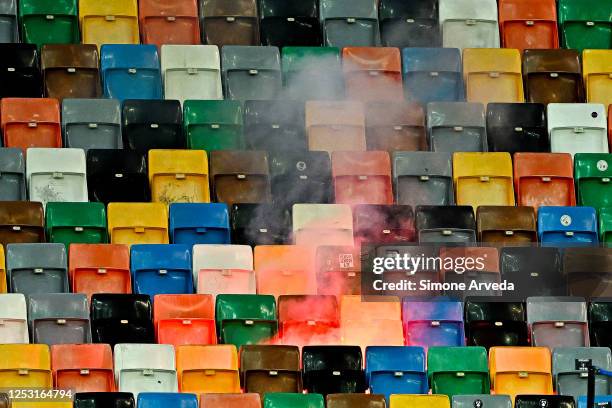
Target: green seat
49 21
593 178
605 225
458 370
245 319
312 73
213 125
289 400
76 223
586 24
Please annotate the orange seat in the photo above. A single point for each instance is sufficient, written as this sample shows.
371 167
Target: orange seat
169 22
99 268
248 400
373 73
362 178
355 308
285 270
308 320
335 126
544 179
184 319
527 24
83 367
338 270
208 369
31 122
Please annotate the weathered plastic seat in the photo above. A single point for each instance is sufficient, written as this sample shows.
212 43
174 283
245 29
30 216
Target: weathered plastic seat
526 401
570 368
433 323
167 399
160 269
333 369
422 178
269 369
137 223
587 271
230 400
12 175
525 25
348 23
338 270
372 73
445 224
83 367
322 224
219 269
585 24
9 28
458 370
419 401
285 24
457 127
567 226
433 74
392 126
355 400
605 225
275 125
506 225
21 222
174 22
54 22
292 400
213 124
25 365
285 270
558 321
485 273
493 321
240 177
229 23
517 127
110 22
493 75
104 399
485 400
72 222
582 401
14 314
121 318
383 223
362 178
208 370
251 73
178 176
600 312
184 319
335 126
312 73
20 70
592 175
597 66
260 224
31 122
413 24
245 319
37 268
544 179
534 271
469 24
199 223
70 71
577 128
59 318
552 76
308 320
92 123
152 124
145 368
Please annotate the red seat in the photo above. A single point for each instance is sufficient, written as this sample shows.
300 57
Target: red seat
373 73
83 367
338 270
308 320
544 179
169 22
184 319
362 177
31 122
527 24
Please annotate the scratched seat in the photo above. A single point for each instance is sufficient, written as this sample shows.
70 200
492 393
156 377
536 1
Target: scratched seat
584 24
592 176
92 123
14 314
286 400
392 126
348 23
312 73
83 367
37 268
219 269
372 73
12 175
469 24
121 318
137 223
487 272
322 224
544 179
457 127
276 125
433 74
31 122
208 370
167 399
104 399
308 320
445 224
70 71
517 127
525 25
577 128
20 71
25 366
333 369
558 321
587 271
184 319
524 401
70 223
419 401
130 71
235 400
110 22
145 368
260 224
534 271
21 222
59 318
599 311
335 126
506 225
433 323
285 24
493 75
338 270
568 226
245 319
570 369
251 73
413 24
362 178
174 22
553 76
597 67
161 269
152 124
485 400
270 369
9 27
199 223
423 178
494 321
458 370
285 270
383 223
229 23
178 176
213 124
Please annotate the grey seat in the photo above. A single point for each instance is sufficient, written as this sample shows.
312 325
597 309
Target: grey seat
457 127
557 321
92 123
59 318
12 175
350 23
482 401
36 268
9 31
251 73
570 370
423 178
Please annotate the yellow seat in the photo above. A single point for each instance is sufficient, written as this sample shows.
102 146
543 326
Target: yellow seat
179 176
208 369
418 401
597 71
2 271
483 179
138 223
493 75
109 22
25 366
42 404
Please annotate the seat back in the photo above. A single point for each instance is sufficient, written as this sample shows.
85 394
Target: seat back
199 223
534 271
24 79
267 369
506 225
70 223
21 222
234 23
383 223
493 75
152 124
12 175
592 174
138 223
165 399
160 268
483 271
469 24
458 370
338 270
15 317
276 125
517 127
335 126
333 369
25 365
70 71
396 370
208 369
83 367
36 268
86 127
221 269
283 24
230 400
104 399
355 400
184 319
456 127
112 22
350 23
577 128
245 319
285 270
10 27
179 176
322 224
567 226
414 24
372 73
597 70
312 73
558 321
169 23
492 322
587 271
584 25
392 126
423 178
145 368
552 76
524 401
599 311
544 179
286 400
570 369
419 401
525 27
261 224
121 318
433 323
494 401
445 224
308 320
213 124
362 178
28 123
59 318
240 176
433 74
251 73
605 224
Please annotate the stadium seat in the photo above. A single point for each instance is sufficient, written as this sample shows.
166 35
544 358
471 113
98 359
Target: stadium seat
199 223
432 74
178 176
372 73
121 318
91 123
433 323
14 315
585 24
152 124
30 123
184 319
463 271
528 401
506 225
322 224
605 225
12 175
333 370
145 368
308 320
59 318
130 71
335 126
383 223
260 224
312 73
493 401
349 23
577 128
558 321
20 71
592 179
458 370
292 400
36 268
83 367
21 222
338 270
362 178
423 178
240 177
396 370
285 24
456 127
174 22
552 76
191 72
393 126
493 321
137 223
582 401
104 399
251 73
587 271
355 400
570 369
493 75
534 271
469 24
597 65
274 125
220 269
208 369
300 177
245 319
109 22
270 368
161 269
600 311
165 399
445 224
53 22
414 24
528 26
70 71
3 287
9 32
567 226
213 124
234 23
72 222
117 176
230 400
517 127
544 179
285 270
25 366
99 268
418 401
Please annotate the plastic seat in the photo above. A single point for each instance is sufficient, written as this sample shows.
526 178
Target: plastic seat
213 124
544 179
418 401
506 225
517 127
338 270
285 270
14 314
458 370
25 366
570 368
414 24
423 178
229 23
110 22
392 126
585 24
293 400
208 370
469 24
445 224
174 22
145 368
245 319
333 370
130 71
396 370
349 23
83 367
362 178
184 319
528 26
493 401
165 399
178 176
485 271
457 127
582 401
270 369
137 223
260 224
70 71
30 123
21 222
355 400
372 74
9 28
312 73
70 223
194 223
191 72
19 70
534 271
433 323
59 318
605 225
558 322
552 76
220 269
104 399
91 123
160 269
322 224
274 125
120 318
230 400
3 285
493 321
308 320
240 176
432 74
285 24
335 126
587 271
99 268
117 176
383 223
251 73
152 124
577 128
597 65
600 310
493 75
524 401
567 226
12 175
592 179
36 268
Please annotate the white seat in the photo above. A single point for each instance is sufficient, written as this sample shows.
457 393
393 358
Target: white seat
13 319
322 224
224 269
191 72
56 175
577 128
469 24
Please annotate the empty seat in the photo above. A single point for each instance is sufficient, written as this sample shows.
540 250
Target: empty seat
59 318
229 23
322 224
208 370
396 370
506 225
456 127
12 175
362 178
191 72
552 76
293 400
83 367
567 226
110 22
570 369
605 225
335 126
517 127
195 223
25 366
9 32
245 319
418 401
219 269
130 71
432 74
213 124
414 24
72 222
251 73
544 179
300 177
592 174
373 73
119 318
138 223
19 70
585 24
240 176
260 224
36 268
338 270
528 26
274 125
577 128
308 320
230 400
469 24
493 401
104 399
558 321
433 323
333 369
525 401
445 224
482 271
92 123
184 319
285 24
174 22
285 270
493 321
70 71
145 368
14 314
383 223
393 126
423 178
178 176
582 401
534 271
167 399
270 369
21 222
600 311
597 65
30 123
493 75
312 73
588 271
99 268
158 269
348 23
458 370
152 124
355 400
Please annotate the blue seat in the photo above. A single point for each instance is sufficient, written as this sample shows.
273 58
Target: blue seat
161 269
433 322
166 400
432 74
199 223
567 226
600 401
130 71
396 370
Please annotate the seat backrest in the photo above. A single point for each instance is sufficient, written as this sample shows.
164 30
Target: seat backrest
29 122
556 309
331 358
322 224
419 401
37 268
26 365
383 223
135 362
496 69
246 400
570 367
308 308
117 307
161 268
104 399
591 174
234 23
199 223
552 76
213 124
433 323
93 364
240 176
527 26
338 270
445 223
14 313
362 177
111 22
165 399
269 358
534 271
492 401
261 224
585 269
525 401
469 366
276 125
567 225
393 126
286 400
312 73
230 267
23 58
542 179
506 224
510 366
21 221
597 66
577 128
432 74
469 24
178 176
580 21
245 307
356 308
169 22
338 23
12 174
517 127
69 222
59 318
183 306
251 73
8 11
285 270
456 126
87 127
372 73
70 70
152 124
423 178
402 359
137 223
355 400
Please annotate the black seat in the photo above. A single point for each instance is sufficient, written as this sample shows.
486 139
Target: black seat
152 124
534 271
445 224
517 127
119 318
20 75
333 369
544 401
260 224
600 322
290 23
413 23
495 321
383 223
104 400
274 125
588 272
